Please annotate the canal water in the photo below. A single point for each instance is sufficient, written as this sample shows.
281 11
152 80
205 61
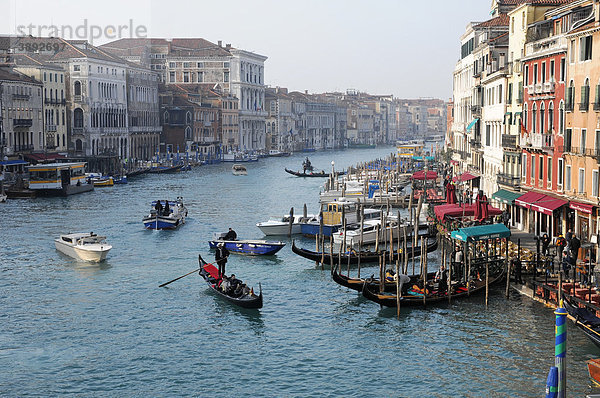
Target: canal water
108 330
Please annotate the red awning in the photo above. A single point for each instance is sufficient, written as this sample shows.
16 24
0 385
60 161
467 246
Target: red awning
547 204
465 177
456 211
42 157
529 198
420 175
582 207
454 162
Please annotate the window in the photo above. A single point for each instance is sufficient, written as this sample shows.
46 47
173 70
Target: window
171 64
562 69
551 70
551 117
561 118
526 75
200 65
524 166
582 143
532 168
534 119
76 68
509 94
543 72
570 97
78 118
572 53
585 48
500 93
487 135
200 77
585 96
559 170
187 64
580 187
597 143
171 76
568 178
186 77
549 168
541 171
225 77
568 136
542 115
525 116
77 88
595 183
535 73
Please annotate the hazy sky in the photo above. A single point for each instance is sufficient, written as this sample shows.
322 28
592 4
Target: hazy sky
399 47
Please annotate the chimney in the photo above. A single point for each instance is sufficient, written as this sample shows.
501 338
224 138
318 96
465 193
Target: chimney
220 43
228 46
306 92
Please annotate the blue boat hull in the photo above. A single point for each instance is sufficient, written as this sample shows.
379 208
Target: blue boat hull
249 248
161 223
313 229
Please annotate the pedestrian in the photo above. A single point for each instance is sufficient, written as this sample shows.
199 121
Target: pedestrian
221 255
561 244
506 217
575 245
568 237
545 245
566 262
516 262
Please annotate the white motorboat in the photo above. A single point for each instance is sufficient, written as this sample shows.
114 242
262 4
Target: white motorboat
3 198
83 246
281 226
352 233
239 170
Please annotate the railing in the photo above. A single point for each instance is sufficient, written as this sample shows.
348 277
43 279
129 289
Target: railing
22 122
77 98
51 128
77 130
509 141
597 106
584 106
549 87
569 106
475 143
476 109
55 101
508 180
577 150
23 148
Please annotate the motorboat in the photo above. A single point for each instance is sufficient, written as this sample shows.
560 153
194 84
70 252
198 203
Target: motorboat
281 226
312 226
83 246
352 233
239 170
166 217
3 198
253 247
98 180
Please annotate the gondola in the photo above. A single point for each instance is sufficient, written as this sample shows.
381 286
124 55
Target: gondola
210 273
585 320
357 283
311 174
414 297
366 256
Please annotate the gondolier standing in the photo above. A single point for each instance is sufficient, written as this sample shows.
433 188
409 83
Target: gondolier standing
221 255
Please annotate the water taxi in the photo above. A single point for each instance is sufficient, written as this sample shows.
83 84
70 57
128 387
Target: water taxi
60 179
408 149
239 170
166 214
83 246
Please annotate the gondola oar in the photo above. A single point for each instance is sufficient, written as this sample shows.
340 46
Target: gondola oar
182 276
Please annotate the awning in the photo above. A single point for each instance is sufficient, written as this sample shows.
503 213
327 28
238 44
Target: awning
582 207
481 232
457 211
547 204
470 126
464 177
529 198
506 196
42 157
454 162
420 175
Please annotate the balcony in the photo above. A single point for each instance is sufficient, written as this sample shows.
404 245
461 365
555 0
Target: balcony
539 88
544 46
584 106
51 128
22 122
509 141
547 142
569 106
530 89
24 148
55 101
20 97
77 130
508 180
549 87
476 110
597 106
476 144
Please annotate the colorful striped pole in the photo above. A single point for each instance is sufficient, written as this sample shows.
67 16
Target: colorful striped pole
560 349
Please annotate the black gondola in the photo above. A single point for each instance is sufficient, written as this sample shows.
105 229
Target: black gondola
415 298
373 283
585 320
365 255
210 274
312 174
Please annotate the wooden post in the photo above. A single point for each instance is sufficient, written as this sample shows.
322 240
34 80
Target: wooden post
317 247
487 281
377 238
330 252
398 291
507 269
560 290
291 221
449 272
467 260
391 243
405 268
424 262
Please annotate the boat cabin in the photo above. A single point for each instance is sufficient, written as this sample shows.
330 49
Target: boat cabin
332 212
408 149
59 178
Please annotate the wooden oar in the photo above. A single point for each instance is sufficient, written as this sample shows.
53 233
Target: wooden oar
165 284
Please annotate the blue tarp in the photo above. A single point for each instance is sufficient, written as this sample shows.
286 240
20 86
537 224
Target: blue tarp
481 232
470 126
17 162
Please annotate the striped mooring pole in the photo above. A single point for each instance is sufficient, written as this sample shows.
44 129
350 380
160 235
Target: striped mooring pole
560 349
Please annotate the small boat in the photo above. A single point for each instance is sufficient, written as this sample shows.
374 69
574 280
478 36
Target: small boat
585 320
277 153
210 273
366 256
594 371
322 173
120 180
83 246
103 182
166 218
185 167
357 283
3 198
369 232
239 170
250 247
414 295
281 226
159 169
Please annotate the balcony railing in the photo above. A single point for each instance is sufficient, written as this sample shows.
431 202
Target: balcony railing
22 122
597 106
508 180
20 97
584 106
577 150
509 141
51 128
549 87
55 101
475 143
23 148
77 130
476 109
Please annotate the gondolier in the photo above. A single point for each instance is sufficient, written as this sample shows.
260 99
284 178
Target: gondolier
221 255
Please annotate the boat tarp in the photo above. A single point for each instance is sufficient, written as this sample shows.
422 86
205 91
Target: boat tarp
481 232
420 175
457 211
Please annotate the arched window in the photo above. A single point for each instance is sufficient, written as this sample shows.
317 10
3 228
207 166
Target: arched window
525 122
166 117
551 116
534 118
78 145
561 117
78 118
188 133
77 87
585 96
542 115
188 118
